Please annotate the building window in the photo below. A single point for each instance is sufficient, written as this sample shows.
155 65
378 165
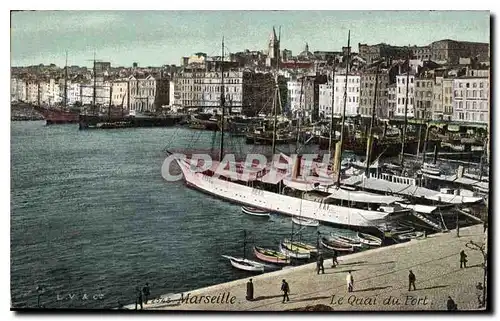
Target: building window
411 80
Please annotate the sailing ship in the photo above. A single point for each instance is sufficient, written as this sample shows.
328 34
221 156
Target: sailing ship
58 115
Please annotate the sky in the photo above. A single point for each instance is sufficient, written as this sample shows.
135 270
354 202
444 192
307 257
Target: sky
155 38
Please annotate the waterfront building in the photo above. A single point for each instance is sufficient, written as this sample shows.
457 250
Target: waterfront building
353 94
18 89
470 99
367 94
147 93
296 97
246 92
447 98
401 95
424 96
391 100
438 99
119 94
325 100
450 51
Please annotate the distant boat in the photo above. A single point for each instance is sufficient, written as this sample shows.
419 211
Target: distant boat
254 211
246 265
291 250
271 256
369 240
305 221
335 245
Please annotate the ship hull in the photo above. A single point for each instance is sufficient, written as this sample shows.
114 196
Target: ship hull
283 204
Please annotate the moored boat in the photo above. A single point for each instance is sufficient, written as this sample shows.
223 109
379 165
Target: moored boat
337 246
296 252
254 211
409 236
305 221
310 248
246 265
345 240
369 239
268 255
430 169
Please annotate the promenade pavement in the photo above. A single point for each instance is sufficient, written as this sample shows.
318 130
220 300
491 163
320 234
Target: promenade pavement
380 281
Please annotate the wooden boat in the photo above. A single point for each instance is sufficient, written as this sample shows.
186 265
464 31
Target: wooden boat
290 250
310 248
409 236
431 169
369 240
246 265
345 240
271 256
305 221
337 246
401 230
254 211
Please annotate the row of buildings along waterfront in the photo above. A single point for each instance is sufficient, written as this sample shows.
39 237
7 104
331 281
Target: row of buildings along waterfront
445 80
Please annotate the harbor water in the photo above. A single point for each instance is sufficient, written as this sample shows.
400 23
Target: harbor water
92 218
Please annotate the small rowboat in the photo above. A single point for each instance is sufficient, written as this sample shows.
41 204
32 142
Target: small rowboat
369 240
254 211
409 236
310 248
271 256
305 221
431 169
401 230
345 240
246 265
334 245
290 250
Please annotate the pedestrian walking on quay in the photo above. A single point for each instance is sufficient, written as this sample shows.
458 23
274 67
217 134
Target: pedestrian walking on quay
146 293
411 279
463 259
286 289
138 297
334 259
451 305
250 290
319 264
350 282
485 226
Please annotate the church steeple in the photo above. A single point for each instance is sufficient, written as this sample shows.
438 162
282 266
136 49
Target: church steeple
274 48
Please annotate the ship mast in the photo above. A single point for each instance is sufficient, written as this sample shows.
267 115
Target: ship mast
406 111
66 82
345 100
94 89
332 132
222 99
369 141
276 97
